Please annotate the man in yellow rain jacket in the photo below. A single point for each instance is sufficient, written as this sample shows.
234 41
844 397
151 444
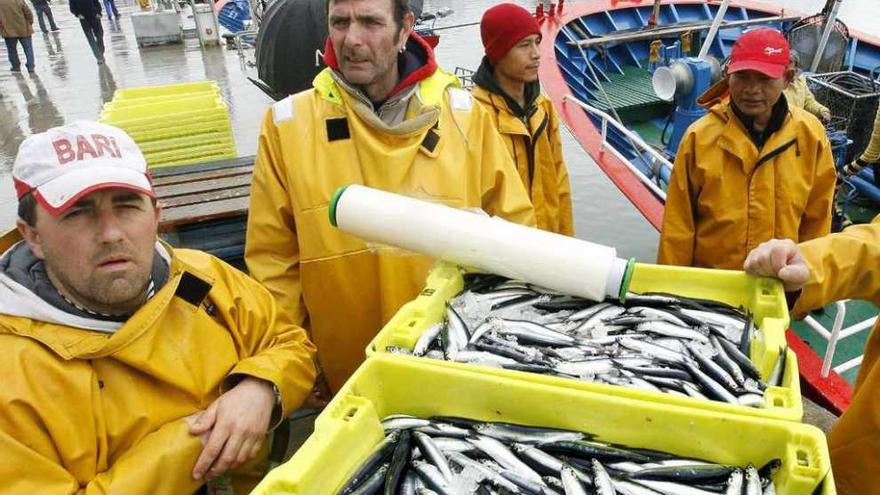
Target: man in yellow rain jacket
383 115
798 93
128 367
751 170
832 268
871 155
506 83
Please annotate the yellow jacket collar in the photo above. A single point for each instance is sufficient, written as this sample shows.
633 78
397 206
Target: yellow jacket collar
430 91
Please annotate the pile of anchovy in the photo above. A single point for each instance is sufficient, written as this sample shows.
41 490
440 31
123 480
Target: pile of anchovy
452 456
657 342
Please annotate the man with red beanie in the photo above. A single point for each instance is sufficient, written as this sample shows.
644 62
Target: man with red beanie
753 169
507 85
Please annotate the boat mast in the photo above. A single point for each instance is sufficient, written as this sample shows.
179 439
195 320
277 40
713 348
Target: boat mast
832 8
713 31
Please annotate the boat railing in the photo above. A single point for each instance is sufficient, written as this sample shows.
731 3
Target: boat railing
836 334
657 159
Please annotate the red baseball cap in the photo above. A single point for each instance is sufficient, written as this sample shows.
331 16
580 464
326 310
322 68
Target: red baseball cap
764 50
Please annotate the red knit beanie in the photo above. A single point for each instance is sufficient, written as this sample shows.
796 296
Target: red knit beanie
503 26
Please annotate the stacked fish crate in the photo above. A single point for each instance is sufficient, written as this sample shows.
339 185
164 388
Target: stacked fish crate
175 124
486 385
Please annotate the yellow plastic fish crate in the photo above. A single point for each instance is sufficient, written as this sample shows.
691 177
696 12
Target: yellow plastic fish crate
349 428
166 90
163 123
193 155
133 112
763 298
168 132
156 100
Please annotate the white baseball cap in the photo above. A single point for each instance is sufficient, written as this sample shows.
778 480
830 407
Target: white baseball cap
65 163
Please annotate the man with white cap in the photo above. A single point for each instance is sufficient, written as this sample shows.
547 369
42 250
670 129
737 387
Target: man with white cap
128 366
753 169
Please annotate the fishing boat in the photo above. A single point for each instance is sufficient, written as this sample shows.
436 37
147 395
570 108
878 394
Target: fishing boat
625 76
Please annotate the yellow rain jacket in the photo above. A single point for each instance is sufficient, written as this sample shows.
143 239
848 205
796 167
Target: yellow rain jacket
845 266
446 150
799 95
872 152
101 412
537 151
725 196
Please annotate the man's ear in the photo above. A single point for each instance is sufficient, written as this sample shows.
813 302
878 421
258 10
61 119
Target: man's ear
31 236
789 74
409 20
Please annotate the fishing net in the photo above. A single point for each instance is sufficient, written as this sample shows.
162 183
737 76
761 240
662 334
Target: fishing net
805 35
853 100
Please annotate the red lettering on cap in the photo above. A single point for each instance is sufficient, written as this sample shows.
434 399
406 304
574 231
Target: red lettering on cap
83 146
115 147
103 143
64 151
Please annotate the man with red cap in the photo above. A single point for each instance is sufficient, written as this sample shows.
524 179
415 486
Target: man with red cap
128 366
507 85
753 169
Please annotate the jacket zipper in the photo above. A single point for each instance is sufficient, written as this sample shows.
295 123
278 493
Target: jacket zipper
764 159
530 145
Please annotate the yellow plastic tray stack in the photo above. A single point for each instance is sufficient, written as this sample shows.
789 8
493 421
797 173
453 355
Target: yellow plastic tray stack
348 430
175 124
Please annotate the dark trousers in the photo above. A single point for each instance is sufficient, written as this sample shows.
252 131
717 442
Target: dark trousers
95 34
45 11
12 50
110 6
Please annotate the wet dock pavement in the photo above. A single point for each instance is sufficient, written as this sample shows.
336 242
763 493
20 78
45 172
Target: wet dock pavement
69 85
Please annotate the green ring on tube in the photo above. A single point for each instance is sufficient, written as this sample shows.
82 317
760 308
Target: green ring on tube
334 200
627 278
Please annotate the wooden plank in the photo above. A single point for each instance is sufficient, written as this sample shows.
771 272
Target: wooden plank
192 194
174 217
202 186
241 161
202 175
205 197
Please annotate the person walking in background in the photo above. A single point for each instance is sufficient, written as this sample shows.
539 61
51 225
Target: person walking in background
16 27
89 14
42 9
110 8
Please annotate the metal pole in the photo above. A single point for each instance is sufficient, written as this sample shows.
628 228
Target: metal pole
830 21
713 31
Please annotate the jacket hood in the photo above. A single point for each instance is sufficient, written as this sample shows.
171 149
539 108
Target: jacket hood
415 64
27 292
485 78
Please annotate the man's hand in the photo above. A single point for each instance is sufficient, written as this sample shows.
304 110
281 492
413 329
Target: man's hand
825 117
233 428
780 259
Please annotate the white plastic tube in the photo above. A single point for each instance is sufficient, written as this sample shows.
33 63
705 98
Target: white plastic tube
553 261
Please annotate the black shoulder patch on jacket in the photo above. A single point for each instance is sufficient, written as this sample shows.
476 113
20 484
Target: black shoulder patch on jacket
337 129
431 140
192 289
